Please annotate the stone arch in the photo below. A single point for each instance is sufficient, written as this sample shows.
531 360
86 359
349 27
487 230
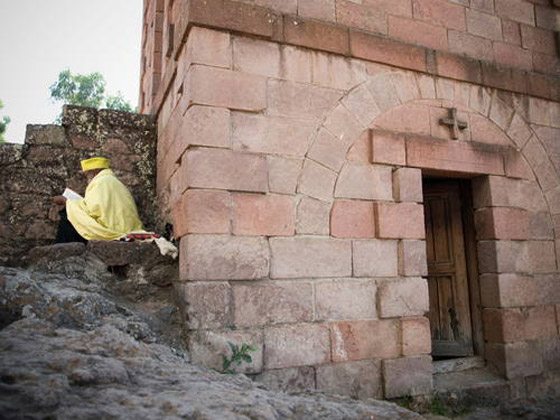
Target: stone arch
388 91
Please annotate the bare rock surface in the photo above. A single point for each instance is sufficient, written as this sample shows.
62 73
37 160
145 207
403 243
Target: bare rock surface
71 349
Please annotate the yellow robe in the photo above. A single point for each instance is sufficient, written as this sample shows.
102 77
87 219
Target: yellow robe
107 210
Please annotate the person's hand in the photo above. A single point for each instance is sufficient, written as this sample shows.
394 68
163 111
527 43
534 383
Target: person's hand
59 199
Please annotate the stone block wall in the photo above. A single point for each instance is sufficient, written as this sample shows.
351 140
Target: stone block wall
49 160
292 170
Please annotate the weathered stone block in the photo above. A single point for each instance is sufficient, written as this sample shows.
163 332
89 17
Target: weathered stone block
302 257
328 150
256 56
316 35
407 376
515 360
501 223
389 220
209 47
360 340
317 181
412 258
296 64
416 338
344 125
352 219
202 211
355 379
345 299
226 88
516 257
222 257
367 182
206 305
312 217
312 101
266 215
296 345
375 258
225 169
388 148
508 290
272 135
407 185
296 379
457 156
513 324
283 174
272 303
403 297
499 191
202 126
207 347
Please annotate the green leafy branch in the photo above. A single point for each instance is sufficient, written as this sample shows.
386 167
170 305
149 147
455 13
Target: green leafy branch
238 356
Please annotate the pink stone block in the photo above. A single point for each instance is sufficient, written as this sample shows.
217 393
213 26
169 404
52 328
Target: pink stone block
328 150
508 290
375 258
202 211
366 182
272 303
403 297
407 376
416 337
360 340
283 174
209 47
358 380
280 136
223 257
305 257
402 220
502 223
407 119
407 185
256 56
352 219
485 131
317 181
515 324
296 345
226 88
297 100
313 217
266 215
296 64
412 258
225 169
345 299
388 148
515 360
202 126
206 304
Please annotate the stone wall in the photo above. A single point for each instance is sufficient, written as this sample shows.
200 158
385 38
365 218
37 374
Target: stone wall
48 161
291 167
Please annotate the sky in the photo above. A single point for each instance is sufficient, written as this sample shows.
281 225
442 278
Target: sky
40 38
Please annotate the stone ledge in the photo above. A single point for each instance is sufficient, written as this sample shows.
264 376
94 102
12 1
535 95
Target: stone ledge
263 22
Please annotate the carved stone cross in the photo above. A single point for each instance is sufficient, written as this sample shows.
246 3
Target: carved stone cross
454 124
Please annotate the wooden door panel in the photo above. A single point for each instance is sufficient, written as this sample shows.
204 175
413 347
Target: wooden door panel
449 314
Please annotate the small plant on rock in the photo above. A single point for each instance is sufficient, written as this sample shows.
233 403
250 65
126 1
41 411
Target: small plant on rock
238 356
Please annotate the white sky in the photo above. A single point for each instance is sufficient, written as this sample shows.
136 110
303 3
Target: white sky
40 38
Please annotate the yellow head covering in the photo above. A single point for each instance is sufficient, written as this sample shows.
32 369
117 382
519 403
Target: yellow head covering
94 163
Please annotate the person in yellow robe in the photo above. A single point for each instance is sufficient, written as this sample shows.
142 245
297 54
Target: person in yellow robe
107 211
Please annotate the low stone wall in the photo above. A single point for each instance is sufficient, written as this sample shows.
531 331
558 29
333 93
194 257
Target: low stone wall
48 161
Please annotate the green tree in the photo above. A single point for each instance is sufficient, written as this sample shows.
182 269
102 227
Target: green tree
86 90
4 121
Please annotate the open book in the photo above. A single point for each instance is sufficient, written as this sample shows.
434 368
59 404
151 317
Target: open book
71 194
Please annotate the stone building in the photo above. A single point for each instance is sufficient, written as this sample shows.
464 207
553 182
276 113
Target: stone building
362 188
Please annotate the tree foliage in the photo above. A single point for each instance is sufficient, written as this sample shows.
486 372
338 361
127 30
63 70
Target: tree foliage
86 90
4 121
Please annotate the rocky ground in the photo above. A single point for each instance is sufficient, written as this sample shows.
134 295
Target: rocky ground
93 333
71 349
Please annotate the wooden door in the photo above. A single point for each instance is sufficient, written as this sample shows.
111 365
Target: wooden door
450 319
